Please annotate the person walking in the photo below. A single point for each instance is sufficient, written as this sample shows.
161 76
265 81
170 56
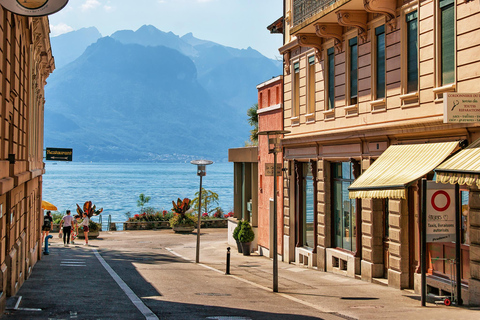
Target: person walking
66 223
47 225
76 218
84 224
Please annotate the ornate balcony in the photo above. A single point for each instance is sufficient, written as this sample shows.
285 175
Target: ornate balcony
304 9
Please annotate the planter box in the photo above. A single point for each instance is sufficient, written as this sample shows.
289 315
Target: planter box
152 225
91 234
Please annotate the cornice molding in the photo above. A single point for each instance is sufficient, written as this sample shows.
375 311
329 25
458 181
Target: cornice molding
311 41
385 7
331 30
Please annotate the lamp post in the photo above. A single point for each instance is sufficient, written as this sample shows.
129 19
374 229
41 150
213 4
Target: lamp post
201 171
274 147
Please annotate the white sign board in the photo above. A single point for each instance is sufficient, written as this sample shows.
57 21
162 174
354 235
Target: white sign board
33 8
440 212
461 107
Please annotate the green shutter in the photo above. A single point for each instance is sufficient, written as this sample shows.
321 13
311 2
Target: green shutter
311 60
380 56
331 78
296 67
412 52
353 69
447 17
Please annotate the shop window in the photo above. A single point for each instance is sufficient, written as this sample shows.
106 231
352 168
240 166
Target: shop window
308 213
344 208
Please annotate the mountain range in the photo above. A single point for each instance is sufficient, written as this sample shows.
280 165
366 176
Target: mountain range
148 95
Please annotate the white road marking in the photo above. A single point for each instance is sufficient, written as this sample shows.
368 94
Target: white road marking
149 315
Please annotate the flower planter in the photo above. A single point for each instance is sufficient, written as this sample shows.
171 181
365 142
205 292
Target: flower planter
183 229
239 246
246 248
91 234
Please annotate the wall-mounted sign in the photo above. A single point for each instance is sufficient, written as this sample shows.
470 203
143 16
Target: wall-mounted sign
59 154
440 212
33 8
461 107
269 169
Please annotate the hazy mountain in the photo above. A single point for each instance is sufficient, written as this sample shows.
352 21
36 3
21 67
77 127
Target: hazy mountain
152 96
69 46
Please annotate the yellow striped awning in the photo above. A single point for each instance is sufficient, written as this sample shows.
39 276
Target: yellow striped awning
398 166
462 168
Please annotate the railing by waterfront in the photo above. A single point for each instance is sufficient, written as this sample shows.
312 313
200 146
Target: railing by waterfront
304 9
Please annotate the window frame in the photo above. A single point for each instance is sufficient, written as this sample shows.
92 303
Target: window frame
329 98
439 55
311 91
375 60
296 89
406 62
348 96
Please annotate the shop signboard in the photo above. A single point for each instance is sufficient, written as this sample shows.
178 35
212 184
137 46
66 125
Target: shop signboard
461 107
33 8
269 169
440 212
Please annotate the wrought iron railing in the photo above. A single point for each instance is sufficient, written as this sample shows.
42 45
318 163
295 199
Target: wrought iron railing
304 9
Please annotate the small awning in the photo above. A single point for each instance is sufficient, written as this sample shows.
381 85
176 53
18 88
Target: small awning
398 166
462 168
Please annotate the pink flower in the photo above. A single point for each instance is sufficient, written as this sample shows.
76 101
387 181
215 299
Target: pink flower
205 214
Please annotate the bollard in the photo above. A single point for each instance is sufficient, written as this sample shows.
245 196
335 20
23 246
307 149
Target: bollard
45 251
228 261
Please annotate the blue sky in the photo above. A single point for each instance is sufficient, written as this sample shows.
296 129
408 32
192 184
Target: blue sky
234 23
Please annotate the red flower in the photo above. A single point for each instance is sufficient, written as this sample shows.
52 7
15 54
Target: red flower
136 216
164 212
205 214
229 215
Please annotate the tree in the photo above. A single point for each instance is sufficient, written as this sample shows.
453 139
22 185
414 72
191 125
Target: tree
142 201
253 121
209 198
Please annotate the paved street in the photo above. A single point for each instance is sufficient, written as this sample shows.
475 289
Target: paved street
150 275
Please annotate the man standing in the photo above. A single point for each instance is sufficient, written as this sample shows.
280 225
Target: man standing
66 222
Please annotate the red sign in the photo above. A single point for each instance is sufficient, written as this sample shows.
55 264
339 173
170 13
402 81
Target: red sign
440 212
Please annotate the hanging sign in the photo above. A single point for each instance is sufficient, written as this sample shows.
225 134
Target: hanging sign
269 169
59 154
461 107
440 212
33 8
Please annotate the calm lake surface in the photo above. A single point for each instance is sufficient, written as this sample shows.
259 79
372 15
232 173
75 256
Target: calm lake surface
115 187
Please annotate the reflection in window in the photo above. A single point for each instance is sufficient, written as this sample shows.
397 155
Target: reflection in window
465 214
344 208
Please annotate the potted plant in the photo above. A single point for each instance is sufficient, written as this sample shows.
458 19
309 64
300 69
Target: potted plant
236 231
246 236
181 221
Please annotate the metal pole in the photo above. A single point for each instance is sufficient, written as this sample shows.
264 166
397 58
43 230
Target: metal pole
228 261
197 257
275 254
458 243
423 245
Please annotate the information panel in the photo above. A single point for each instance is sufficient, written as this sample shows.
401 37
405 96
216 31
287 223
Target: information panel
461 107
440 212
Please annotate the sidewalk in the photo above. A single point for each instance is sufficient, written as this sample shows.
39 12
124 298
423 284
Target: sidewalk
96 295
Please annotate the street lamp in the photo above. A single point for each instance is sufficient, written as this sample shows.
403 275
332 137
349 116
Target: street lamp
201 171
274 137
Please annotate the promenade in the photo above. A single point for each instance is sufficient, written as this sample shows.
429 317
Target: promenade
152 275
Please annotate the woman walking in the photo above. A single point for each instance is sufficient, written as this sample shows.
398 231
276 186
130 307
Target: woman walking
66 222
84 224
47 225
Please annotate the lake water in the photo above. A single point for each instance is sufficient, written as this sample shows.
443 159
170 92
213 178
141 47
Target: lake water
115 187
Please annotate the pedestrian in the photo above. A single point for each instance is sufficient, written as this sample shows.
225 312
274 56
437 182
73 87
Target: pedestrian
84 224
66 223
47 224
75 227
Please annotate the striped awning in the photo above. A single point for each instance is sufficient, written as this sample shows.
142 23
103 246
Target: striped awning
397 167
462 168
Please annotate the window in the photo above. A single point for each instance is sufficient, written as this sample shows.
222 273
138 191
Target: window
353 68
311 84
308 206
331 78
380 62
465 213
447 41
296 89
412 51
344 208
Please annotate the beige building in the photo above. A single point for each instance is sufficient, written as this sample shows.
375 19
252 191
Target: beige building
361 76
25 63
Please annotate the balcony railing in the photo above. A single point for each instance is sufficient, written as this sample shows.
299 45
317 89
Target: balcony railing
304 9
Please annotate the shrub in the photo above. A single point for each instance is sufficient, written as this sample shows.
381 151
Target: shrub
93 226
246 233
237 230
183 219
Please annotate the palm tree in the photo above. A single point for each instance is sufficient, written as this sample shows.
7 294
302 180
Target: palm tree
142 201
253 121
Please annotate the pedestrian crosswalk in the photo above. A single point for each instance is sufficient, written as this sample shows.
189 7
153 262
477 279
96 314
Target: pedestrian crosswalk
73 263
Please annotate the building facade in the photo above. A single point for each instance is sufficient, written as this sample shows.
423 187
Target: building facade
361 76
25 63
270 118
